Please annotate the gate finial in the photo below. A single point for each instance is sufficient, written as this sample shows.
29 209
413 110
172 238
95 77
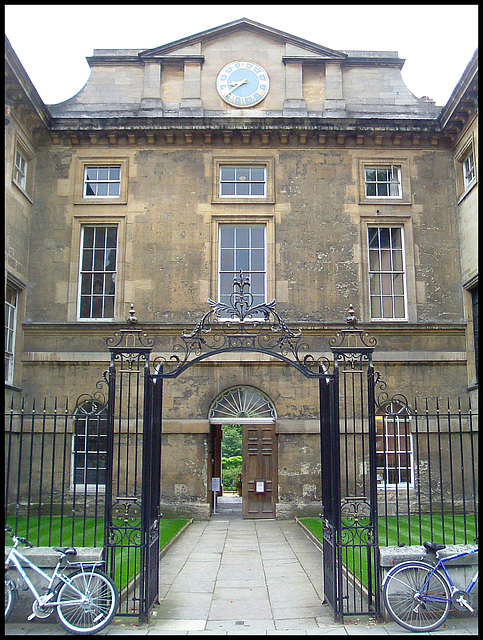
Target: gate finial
132 320
351 318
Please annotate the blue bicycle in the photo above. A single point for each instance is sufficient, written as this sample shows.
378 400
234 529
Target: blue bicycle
419 595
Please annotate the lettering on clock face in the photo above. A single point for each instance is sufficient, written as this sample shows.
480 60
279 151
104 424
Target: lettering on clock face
242 84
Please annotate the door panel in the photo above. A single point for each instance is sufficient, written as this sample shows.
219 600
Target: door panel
259 471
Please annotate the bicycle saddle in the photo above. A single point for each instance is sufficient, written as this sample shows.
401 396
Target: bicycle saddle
67 551
433 546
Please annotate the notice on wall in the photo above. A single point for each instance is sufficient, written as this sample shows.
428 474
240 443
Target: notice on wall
260 486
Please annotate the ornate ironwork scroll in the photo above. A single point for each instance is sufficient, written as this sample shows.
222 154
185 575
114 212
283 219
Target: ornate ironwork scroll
242 326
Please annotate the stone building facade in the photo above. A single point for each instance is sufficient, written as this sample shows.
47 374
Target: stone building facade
315 171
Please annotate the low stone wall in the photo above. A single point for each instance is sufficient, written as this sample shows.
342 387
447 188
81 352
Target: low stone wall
461 570
46 559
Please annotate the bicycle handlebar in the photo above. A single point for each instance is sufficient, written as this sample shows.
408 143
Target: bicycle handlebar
24 541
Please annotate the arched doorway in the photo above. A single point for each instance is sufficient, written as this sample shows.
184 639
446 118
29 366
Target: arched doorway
253 409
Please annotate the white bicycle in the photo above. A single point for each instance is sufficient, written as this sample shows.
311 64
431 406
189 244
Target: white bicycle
85 600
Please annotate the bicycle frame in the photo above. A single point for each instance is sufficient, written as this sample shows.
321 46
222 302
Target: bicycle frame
441 565
15 557
443 561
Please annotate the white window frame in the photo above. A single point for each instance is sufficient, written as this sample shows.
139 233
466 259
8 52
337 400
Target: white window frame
402 433
392 273
87 417
469 169
98 181
11 308
83 273
21 167
394 178
240 179
225 273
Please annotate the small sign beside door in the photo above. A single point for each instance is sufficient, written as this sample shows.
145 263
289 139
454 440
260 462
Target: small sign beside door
260 486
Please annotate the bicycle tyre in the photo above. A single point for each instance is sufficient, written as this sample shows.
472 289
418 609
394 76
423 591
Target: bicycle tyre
11 597
99 609
416 614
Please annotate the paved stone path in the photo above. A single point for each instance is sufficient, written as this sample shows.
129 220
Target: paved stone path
233 576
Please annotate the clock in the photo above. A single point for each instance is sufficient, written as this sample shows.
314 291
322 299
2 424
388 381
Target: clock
242 84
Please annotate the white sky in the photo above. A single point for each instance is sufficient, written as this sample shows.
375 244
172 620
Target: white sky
53 41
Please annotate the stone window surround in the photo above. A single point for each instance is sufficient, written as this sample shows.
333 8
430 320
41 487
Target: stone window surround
78 222
241 218
402 162
83 162
240 161
29 155
406 224
460 157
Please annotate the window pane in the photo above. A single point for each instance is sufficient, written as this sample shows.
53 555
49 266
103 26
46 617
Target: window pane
258 237
102 188
242 174
115 173
110 260
399 307
374 261
398 285
97 307
242 189
90 190
91 173
382 175
257 281
258 189
226 283
242 237
375 308
371 189
373 238
114 189
227 189
385 238
103 173
227 260
109 283
242 260
100 235
258 259
99 260
387 307
258 175
227 236
86 284
227 173
98 282
111 237
375 283
85 308
87 256
109 307
370 175
382 190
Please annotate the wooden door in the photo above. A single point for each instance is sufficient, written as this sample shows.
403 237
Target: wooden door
259 471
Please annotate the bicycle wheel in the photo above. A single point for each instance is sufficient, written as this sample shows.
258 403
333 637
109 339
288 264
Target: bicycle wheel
99 607
11 596
411 602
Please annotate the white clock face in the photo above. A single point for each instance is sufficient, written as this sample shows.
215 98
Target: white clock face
242 84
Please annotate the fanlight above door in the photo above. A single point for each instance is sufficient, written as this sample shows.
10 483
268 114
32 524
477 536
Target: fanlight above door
242 405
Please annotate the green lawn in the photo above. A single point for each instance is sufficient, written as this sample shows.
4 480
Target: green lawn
398 531
89 533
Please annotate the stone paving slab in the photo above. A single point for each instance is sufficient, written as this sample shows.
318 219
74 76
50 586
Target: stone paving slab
244 577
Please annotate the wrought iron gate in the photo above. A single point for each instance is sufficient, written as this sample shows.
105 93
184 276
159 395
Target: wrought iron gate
349 480
131 538
347 427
